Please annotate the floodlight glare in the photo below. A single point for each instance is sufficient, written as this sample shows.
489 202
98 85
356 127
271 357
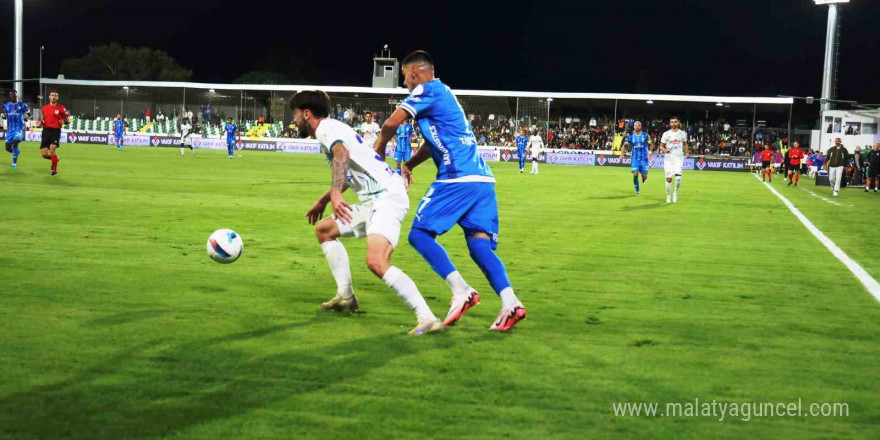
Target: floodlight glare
829 2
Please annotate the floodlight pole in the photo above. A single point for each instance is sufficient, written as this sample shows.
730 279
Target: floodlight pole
828 75
19 51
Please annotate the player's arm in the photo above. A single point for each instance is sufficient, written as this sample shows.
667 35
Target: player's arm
686 148
339 165
389 130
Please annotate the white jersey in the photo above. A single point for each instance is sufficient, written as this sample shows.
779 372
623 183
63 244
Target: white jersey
368 175
369 132
674 141
535 145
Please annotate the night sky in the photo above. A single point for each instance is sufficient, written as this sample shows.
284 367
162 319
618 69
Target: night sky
690 47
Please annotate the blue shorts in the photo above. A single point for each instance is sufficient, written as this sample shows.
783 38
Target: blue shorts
471 205
402 155
230 143
14 135
119 137
640 166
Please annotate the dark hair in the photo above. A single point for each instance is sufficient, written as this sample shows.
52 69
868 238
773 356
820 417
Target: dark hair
676 118
229 118
315 101
368 113
418 56
53 91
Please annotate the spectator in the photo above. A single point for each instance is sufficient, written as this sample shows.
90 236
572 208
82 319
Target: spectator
837 158
147 115
160 117
261 120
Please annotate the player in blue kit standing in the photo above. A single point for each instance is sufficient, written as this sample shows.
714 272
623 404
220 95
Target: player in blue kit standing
231 130
16 114
521 141
463 193
119 125
641 156
402 146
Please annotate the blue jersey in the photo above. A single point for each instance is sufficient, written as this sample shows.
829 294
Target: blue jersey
639 144
446 129
521 142
404 133
230 132
15 114
119 125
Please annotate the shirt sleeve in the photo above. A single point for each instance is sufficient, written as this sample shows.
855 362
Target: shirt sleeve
419 100
664 139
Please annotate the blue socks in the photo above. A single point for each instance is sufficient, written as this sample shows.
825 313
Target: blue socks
15 152
424 243
490 264
229 150
636 182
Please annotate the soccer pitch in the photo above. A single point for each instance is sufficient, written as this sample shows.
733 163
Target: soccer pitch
116 325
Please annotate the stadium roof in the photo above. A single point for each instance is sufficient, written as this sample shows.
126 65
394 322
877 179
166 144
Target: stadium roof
402 91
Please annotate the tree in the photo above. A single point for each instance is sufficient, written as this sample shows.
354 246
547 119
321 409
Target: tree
114 62
261 77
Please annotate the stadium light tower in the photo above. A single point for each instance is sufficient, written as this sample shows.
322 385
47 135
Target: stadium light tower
19 52
828 76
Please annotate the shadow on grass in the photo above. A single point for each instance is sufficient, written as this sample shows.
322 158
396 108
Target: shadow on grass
626 196
648 206
149 391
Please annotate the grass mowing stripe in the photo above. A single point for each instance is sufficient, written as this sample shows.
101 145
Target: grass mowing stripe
860 273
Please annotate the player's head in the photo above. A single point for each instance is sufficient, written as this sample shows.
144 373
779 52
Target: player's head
228 120
797 144
309 108
417 68
118 116
368 116
674 123
13 95
637 126
837 141
53 97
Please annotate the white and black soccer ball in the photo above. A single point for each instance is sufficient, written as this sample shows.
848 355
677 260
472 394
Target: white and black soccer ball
225 246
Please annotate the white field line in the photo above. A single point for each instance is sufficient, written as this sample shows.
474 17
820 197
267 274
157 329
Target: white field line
860 273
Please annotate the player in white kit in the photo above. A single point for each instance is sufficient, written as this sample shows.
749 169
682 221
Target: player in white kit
384 204
185 140
369 129
536 145
674 144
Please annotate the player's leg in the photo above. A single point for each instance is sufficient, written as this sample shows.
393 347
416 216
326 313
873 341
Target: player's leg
383 232
328 231
522 160
480 225
669 174
53 156
635 173
439 210
797 175
677 186
230 147
15 152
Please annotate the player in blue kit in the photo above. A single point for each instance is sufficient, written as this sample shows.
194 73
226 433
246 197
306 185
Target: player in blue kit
463 193
402 147
641 156
231 131
16 114
521 141
119 125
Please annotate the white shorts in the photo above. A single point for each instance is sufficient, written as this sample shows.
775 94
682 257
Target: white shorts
186 140
672 165
381 216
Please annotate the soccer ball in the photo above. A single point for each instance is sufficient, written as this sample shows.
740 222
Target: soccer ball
225 246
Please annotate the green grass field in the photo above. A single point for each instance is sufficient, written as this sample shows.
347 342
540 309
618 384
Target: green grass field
116 325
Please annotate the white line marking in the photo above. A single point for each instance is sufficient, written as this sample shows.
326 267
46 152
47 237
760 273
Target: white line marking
863 276
823 198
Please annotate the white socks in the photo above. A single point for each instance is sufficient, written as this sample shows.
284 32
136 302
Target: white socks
457 283
407 291
668 186
508 298
534 167
677 183
338 259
